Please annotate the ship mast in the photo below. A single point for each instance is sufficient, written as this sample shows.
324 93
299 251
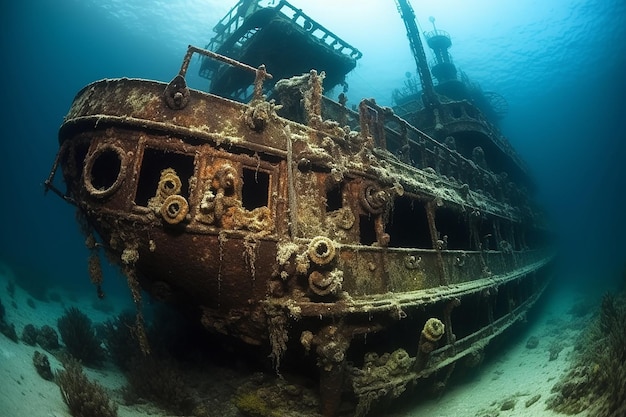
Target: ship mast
408 16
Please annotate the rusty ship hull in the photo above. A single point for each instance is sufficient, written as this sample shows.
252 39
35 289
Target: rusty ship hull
297 224
253 271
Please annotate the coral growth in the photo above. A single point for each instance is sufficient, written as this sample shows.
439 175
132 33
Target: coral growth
84 398
48 338
168 202
79 337
429 337
433 330
597 380
381 376
252 404
259 115
29 335
221 204
272 397
42 365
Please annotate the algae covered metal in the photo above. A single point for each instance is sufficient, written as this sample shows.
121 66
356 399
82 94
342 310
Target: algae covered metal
387 248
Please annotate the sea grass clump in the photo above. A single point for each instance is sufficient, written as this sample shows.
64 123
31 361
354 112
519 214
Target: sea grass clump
84 398
79 337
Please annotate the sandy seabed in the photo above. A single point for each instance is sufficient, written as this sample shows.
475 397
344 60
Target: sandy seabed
510 378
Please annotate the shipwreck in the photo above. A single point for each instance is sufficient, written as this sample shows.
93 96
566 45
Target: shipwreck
390 244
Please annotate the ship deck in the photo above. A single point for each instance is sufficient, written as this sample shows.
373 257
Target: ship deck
249 32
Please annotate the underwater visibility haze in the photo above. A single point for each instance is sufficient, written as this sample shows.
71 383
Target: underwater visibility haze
559 65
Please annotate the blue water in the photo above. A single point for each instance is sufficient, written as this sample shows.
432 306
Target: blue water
560 65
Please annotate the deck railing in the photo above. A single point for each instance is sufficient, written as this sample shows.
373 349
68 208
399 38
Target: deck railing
235 20
413 147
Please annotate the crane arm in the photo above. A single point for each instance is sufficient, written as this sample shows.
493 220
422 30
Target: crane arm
417 49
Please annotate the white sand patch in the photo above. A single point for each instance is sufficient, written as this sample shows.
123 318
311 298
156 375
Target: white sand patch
518 374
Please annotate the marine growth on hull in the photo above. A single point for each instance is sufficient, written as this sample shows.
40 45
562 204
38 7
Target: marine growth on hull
385 249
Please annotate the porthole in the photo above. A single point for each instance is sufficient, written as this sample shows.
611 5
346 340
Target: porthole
104 170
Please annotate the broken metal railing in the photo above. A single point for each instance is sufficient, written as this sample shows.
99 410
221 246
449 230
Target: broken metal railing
244 20
416 148
318 31
177 93
236 17
231 22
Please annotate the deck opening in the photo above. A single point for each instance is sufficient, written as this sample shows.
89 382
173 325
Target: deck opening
488 235
453 229
471 315
156 160
504 301
408 224
334 198
367 228
255 190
